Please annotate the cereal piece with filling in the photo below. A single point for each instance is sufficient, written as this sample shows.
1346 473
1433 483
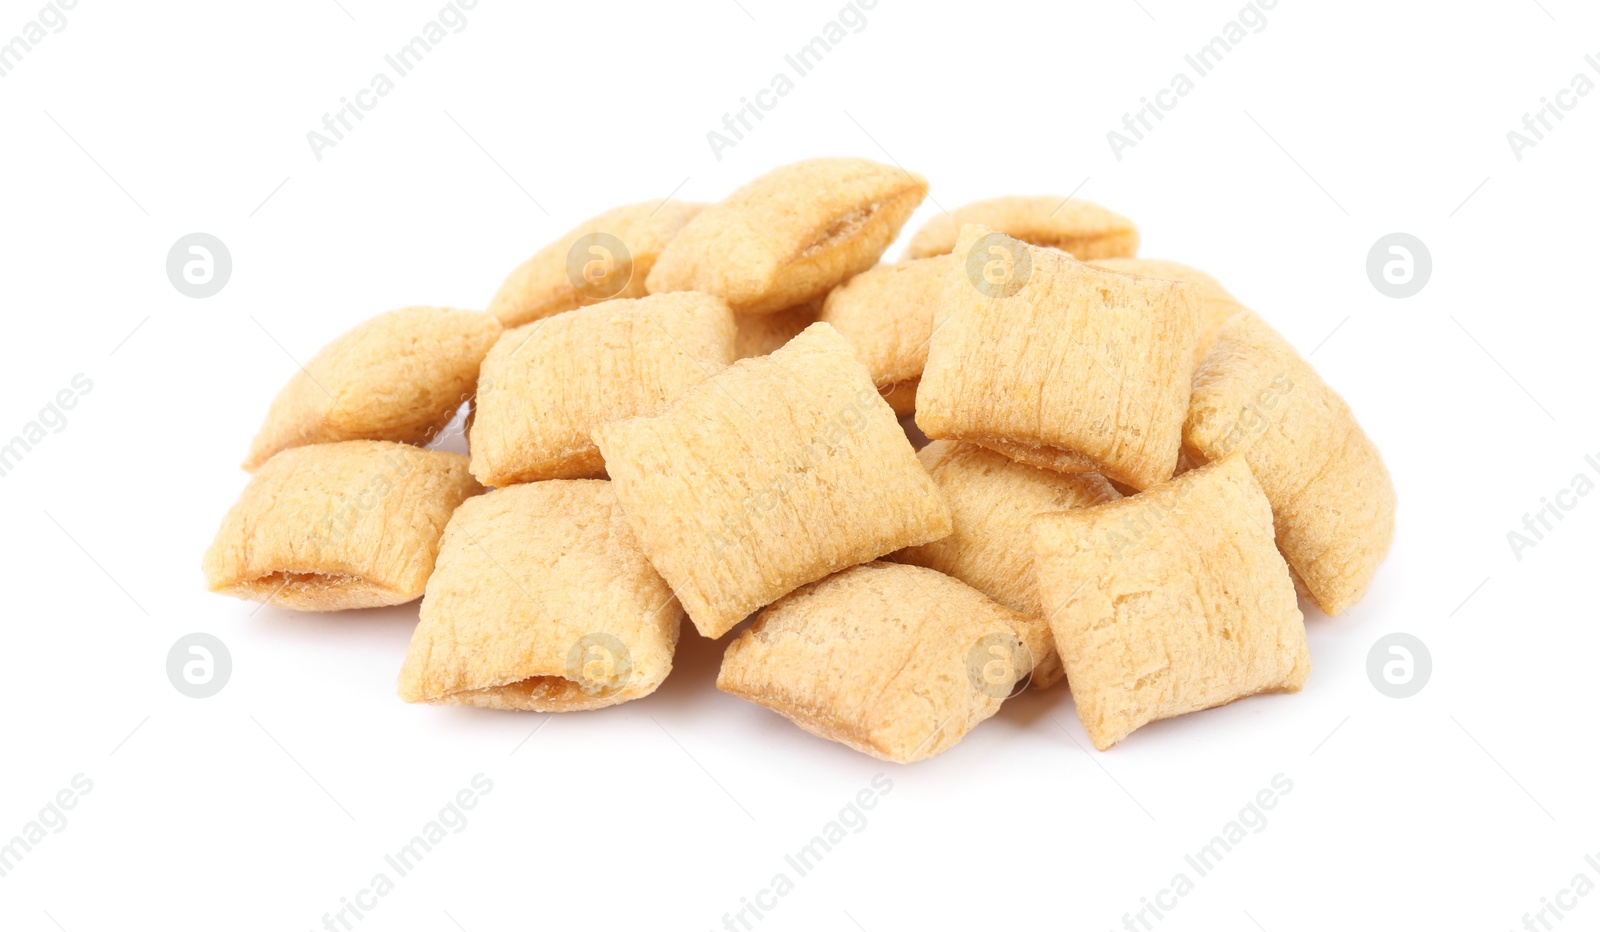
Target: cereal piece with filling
400 376
1059 364
1170 601
887 315
604 257
333 526
992 499
769 475
1081 229
791 235
541 601
548 384
1332 499
895 661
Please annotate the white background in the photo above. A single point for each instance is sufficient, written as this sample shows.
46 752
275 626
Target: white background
262 807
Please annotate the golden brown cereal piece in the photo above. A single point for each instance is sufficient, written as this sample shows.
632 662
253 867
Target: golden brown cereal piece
586 265
1084 230
770 474
1332 499
992 499
790 235
1170 601
887 315
400 376
331 526
541 601
548 384
1060 364
760 334
896 661
1216 304
901 396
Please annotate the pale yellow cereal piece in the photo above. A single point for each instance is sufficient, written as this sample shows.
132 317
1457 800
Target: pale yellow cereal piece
586 265
541 601
1082 229
400 376
1170 601
548 384
887 315
992 499
1216 303
769 475
791 235
332 526
895 661
1059 364
760 334
1332 499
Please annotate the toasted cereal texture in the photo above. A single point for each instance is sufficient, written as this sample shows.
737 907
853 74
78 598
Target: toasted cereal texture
992 499
331 526
769 475
1216 304
541 601
583 266
901 396
887 315
1170 601
1049 671
791 235
1064 366
548 384
760 334
400 376
1082 229
895 661
1332 499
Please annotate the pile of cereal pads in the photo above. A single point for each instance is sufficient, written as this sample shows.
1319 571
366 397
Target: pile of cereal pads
686 409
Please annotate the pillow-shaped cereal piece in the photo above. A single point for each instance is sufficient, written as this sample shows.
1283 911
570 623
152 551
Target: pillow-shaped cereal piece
1170 601
769 475
541 601
992 499
1060 364
604 257
400 376
548 384
1332 500
760 334
895 661
1216 304
790 235
331 526
1081 229
887 315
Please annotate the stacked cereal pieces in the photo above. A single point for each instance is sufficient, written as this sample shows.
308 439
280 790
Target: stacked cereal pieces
691 410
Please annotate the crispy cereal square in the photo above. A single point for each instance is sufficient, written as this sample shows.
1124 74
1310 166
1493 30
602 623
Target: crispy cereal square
895 661
400 376
1060 364
332 526
541 601
547 385
1170 601
771 474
